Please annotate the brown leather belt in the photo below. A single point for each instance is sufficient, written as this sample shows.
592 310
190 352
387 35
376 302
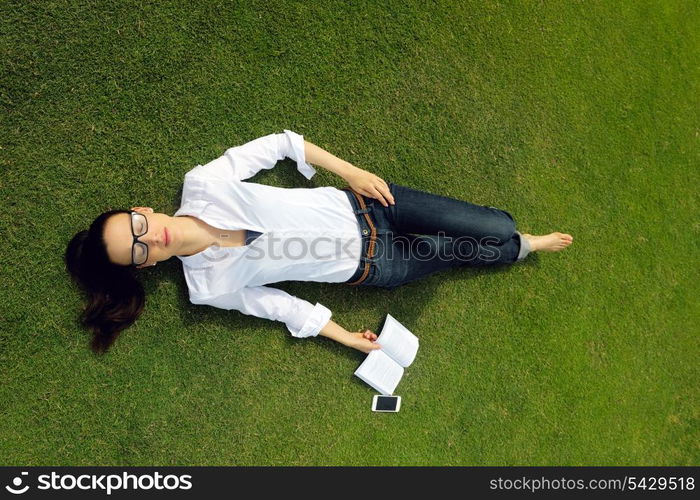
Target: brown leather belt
372 237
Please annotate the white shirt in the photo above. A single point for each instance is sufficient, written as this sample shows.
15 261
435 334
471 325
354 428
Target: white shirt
308 234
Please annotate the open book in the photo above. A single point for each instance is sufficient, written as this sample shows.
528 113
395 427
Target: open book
383 368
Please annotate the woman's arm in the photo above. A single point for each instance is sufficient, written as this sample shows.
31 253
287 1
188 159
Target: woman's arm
362 341
363 182
323 158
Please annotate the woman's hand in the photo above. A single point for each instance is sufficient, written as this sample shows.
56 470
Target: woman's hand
364 341
370 185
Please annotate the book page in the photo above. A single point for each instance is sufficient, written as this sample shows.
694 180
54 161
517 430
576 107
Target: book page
398 342
380 371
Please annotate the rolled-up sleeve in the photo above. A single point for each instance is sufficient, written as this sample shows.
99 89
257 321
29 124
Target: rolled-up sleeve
301 317
291 146
243 162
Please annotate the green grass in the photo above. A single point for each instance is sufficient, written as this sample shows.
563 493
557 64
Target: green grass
581 117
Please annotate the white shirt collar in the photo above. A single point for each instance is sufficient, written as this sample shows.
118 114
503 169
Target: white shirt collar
210 255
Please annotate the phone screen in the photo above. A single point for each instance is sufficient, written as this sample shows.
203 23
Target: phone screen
387 403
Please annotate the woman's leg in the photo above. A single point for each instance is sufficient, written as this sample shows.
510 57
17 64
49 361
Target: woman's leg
410 257
424 233
429 233
420 212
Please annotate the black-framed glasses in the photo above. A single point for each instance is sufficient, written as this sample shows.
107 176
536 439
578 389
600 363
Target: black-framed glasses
139 227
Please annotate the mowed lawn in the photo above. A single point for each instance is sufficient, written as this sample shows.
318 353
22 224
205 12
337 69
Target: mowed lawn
580 117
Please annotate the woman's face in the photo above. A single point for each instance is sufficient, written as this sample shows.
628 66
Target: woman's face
119 238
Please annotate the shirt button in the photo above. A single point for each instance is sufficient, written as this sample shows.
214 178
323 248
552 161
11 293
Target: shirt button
365 232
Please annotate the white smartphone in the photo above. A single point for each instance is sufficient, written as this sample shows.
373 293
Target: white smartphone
386 403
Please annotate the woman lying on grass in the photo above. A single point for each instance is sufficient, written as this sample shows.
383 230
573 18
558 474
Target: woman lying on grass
234 238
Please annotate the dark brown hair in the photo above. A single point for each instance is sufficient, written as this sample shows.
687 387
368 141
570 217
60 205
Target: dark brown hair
115 297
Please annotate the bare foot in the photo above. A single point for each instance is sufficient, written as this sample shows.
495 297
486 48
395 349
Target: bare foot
552 242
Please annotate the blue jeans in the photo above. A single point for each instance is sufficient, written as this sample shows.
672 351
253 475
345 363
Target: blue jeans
424 233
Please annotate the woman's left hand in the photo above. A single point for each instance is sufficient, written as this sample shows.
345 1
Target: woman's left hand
370 185
365 341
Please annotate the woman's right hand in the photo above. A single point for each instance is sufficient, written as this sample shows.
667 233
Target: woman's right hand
364 341
371 185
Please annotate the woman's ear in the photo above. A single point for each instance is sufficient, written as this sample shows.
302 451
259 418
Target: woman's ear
147 210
